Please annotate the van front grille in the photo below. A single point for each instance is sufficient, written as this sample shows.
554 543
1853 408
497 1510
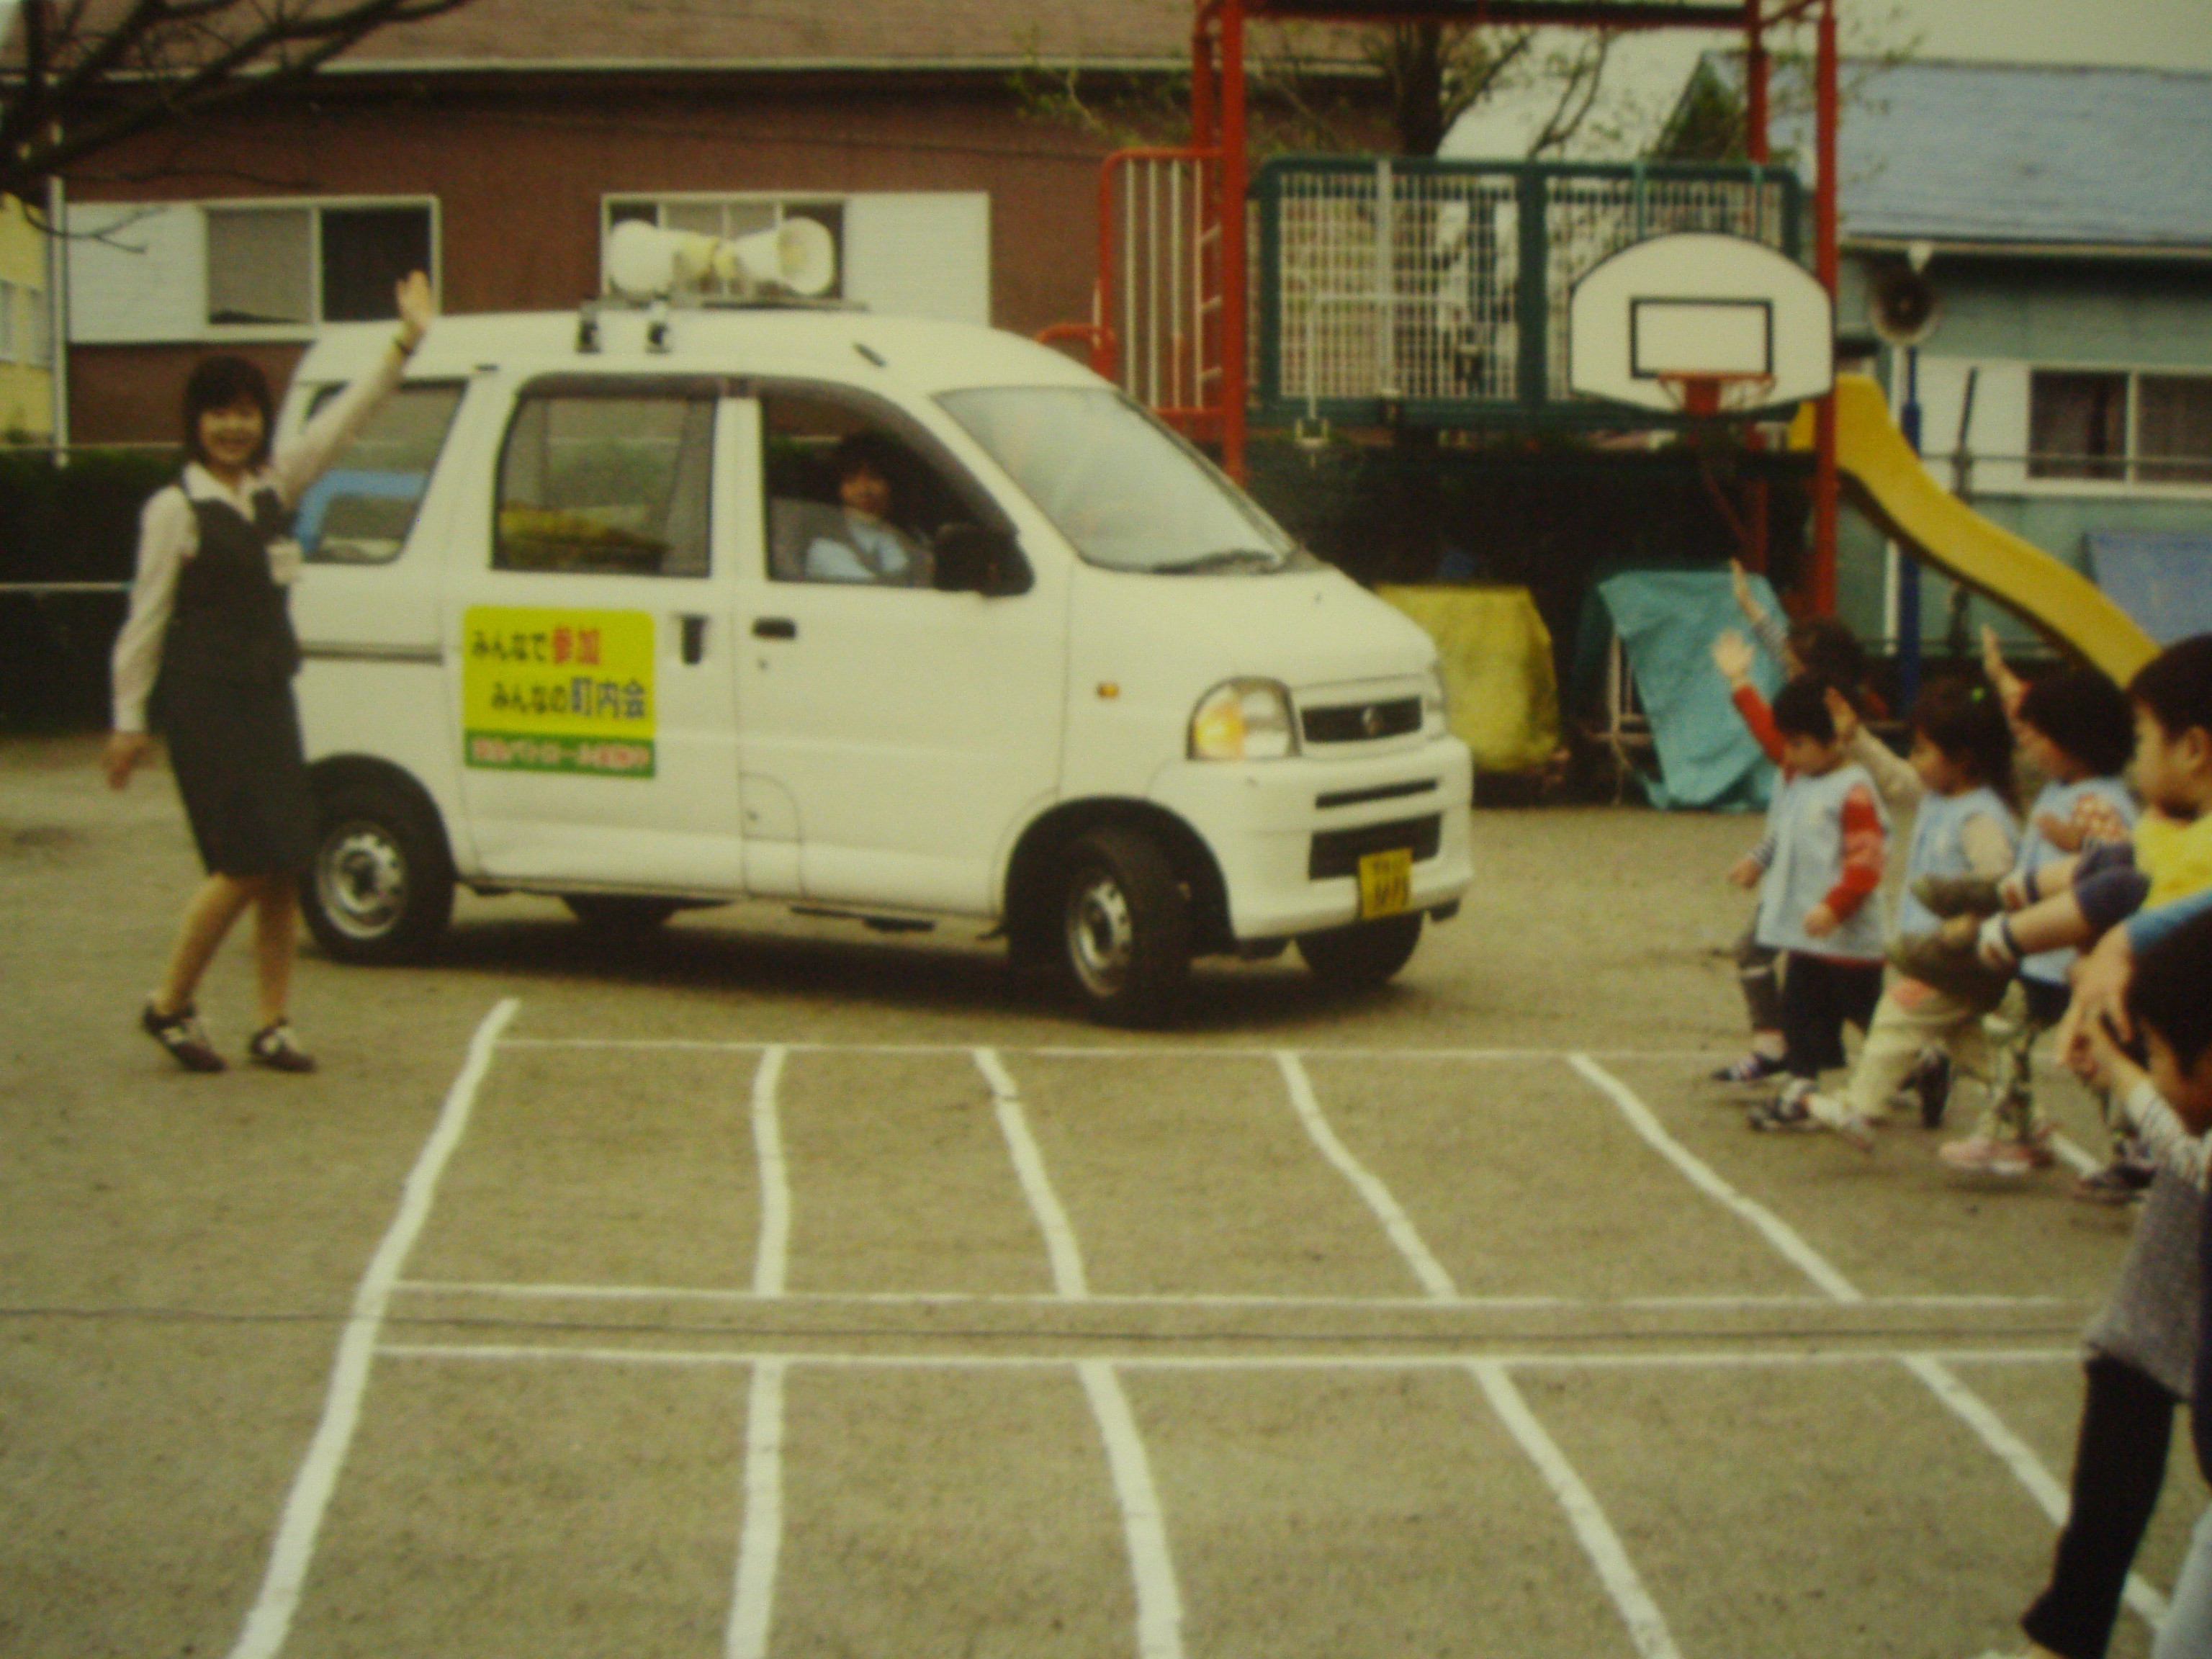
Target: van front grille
1362 722
1338 852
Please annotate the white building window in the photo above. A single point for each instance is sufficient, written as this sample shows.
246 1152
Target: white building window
2120 426
298 264
10 339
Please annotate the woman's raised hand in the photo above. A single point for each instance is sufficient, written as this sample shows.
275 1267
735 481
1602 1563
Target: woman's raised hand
418 309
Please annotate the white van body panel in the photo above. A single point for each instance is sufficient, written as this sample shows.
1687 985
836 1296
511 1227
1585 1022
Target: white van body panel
876 750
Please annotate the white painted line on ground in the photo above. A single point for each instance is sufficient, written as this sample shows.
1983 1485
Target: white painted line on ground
520 1353
1426 1268
2018 1456
1065 1255
1776 1232
269 1619
1122 1051
753 1601
1159 1602
771 1259
2071 1154
1218 1299
1647 1628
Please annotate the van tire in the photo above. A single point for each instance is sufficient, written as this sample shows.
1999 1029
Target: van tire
620 914
380 889
1363 955
1125 926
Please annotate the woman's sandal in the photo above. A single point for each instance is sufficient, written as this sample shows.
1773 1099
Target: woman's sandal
183 1035
272 1046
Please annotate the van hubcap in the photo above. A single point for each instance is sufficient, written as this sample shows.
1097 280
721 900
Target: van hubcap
361 879
1102 935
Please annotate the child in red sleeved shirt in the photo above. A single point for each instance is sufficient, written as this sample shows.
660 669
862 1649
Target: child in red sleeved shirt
1817 872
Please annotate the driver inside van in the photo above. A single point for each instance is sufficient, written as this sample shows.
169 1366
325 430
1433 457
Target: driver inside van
862 543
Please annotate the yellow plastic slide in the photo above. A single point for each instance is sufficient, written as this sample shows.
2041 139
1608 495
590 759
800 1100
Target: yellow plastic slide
1897 492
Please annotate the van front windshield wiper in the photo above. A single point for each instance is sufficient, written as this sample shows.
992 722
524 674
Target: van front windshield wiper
1227 558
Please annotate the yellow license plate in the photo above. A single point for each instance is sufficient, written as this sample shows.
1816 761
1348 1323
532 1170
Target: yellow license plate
1386 882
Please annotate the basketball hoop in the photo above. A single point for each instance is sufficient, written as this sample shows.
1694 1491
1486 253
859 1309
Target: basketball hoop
1704 396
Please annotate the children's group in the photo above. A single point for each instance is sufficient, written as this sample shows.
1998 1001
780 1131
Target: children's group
2090 918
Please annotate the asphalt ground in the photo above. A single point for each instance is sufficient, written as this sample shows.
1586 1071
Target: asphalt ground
761 1287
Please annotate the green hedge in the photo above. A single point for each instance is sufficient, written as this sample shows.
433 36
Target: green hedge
67 521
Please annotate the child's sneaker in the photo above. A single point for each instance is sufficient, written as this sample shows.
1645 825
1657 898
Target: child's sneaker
1753 1067
1787 1111
1991 1156
1855 1126
2121 1182
1954 969
1959 895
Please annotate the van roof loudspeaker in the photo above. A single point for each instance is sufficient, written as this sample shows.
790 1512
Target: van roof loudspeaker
646 262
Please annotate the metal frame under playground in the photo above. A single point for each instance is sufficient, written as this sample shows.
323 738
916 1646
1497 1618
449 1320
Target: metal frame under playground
1178 287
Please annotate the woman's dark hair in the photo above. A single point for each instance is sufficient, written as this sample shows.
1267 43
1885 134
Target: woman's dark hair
881 455
217 383
1831 652
2166 990
1801 709
1965 718
2176 685
2083 715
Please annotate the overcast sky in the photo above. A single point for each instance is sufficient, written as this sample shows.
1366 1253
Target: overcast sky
1648 72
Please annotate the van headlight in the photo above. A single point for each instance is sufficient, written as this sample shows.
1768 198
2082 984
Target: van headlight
1242 720
1436 709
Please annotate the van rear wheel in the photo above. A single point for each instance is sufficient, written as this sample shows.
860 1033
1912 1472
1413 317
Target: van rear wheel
1366 953
380 887
1125 926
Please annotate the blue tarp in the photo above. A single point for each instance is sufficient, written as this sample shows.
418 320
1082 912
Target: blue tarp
1668 620
2164 580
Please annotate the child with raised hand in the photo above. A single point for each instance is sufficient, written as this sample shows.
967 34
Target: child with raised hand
2072 902
1816 870
1822 648
1961 767
2075 727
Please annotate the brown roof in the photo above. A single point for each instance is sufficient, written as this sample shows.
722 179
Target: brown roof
788 34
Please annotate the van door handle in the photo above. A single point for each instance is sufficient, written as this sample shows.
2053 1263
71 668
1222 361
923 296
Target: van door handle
774 628
695 639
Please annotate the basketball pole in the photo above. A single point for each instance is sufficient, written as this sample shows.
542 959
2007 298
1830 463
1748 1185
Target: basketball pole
1826 491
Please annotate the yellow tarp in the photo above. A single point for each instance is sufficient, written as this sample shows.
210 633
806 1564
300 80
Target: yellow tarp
1496 655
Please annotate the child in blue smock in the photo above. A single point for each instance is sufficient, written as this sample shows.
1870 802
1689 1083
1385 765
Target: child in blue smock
1817 872
1961 763
2075 727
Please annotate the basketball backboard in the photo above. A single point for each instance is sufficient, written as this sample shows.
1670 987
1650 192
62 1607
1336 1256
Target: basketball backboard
1701 323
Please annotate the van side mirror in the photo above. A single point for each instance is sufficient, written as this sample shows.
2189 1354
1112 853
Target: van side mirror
970 559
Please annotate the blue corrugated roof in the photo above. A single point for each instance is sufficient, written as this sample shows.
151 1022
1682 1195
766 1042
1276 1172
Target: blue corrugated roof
2020 153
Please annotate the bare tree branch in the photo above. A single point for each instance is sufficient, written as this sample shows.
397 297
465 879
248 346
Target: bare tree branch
81 76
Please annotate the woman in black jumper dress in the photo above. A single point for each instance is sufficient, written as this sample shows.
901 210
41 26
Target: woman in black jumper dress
210 622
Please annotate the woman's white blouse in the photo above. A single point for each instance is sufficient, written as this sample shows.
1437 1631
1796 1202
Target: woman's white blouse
168 529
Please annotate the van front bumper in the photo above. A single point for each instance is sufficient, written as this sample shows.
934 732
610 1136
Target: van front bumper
1288 834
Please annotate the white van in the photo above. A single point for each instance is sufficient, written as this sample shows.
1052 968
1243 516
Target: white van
579 618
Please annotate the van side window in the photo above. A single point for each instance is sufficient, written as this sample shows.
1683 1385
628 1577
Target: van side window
606 485
848 500
361 510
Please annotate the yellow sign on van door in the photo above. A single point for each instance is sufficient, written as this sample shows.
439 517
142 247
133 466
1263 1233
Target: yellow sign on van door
558 691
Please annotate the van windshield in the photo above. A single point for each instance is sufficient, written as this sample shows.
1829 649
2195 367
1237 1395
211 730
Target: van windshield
1127 493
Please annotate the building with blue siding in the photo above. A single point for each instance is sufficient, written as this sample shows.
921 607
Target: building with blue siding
2062 219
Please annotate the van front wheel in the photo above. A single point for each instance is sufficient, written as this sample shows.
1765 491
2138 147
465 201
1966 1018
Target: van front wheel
1126 927
1366 953
380 888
